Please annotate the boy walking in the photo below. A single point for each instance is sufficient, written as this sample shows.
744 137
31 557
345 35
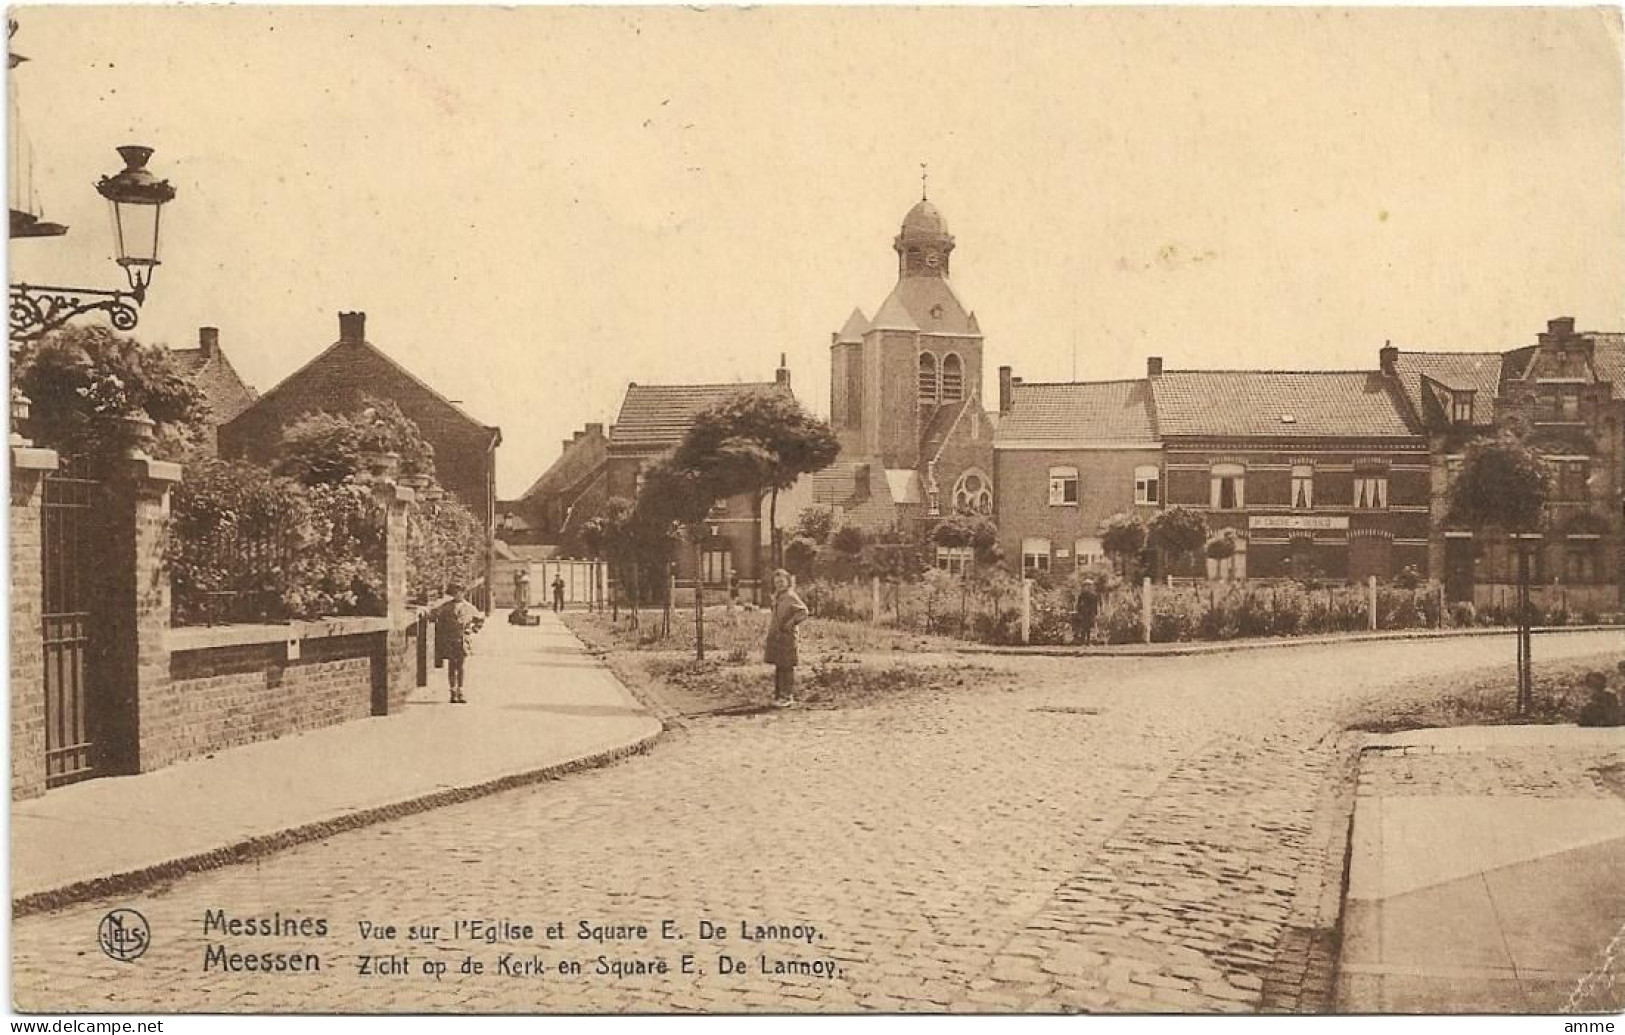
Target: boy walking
455 624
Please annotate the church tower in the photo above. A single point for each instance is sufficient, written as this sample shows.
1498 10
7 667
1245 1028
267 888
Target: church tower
905 385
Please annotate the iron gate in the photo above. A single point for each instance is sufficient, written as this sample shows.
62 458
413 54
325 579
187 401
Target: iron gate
69 498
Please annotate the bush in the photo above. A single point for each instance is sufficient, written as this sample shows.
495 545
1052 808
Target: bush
444 545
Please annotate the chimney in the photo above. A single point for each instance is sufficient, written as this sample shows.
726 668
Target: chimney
208 340
1560 327
782 376
595 429
353 327
1005 386
1153 366
1390 358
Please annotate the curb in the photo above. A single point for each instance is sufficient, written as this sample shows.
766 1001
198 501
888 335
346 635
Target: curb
267 844
1187 649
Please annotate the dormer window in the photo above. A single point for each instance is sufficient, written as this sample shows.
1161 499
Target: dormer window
1461 407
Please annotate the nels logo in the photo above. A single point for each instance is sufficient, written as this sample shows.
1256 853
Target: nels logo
124 935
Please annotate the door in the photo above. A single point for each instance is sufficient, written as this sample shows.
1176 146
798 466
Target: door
1458 569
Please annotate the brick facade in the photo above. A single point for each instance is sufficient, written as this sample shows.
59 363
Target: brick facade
1105 487
28 468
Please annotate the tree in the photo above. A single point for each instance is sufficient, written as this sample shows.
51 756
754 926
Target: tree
1122 537
82 382
1176 534
758 443
1503 486
816 524
1221 548
678 494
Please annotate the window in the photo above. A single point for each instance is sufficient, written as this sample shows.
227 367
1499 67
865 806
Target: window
715 567
954 560
953 378
1558 404
1580 562
1089 552
1145 484
1034 556
973 493
719 508
1303 486
928 377
1571 479
1370 491
1461 407
1228 487
1452 470
1063 486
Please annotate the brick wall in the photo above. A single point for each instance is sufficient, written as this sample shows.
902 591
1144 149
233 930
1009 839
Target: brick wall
227 696
1105 487
27 651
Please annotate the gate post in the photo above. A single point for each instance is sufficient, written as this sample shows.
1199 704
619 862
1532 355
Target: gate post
398 674
28 469
139 729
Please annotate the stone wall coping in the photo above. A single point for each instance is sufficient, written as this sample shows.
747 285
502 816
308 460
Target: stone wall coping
207 637
31 458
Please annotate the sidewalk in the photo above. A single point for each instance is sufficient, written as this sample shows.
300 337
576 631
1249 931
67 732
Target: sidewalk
1196 647
540 705
1487 873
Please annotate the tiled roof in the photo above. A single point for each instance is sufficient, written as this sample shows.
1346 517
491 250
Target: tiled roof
188 361
658 416
1608 357
837 486
1479 372
1277 404
1097 411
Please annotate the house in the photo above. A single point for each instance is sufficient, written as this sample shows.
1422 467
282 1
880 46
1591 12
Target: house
556 505
1067 457
224 390
337 381
1564 396
652 421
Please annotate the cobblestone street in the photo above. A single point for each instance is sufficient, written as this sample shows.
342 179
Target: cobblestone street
1064 834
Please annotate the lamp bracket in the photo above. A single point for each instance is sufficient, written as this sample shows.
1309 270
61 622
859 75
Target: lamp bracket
37 309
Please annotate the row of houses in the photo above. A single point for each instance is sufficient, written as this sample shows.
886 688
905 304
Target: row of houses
1343 474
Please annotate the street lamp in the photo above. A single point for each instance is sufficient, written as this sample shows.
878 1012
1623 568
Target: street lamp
137 198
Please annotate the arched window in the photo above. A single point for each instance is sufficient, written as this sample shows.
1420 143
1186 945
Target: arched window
973 493
953 378
928 377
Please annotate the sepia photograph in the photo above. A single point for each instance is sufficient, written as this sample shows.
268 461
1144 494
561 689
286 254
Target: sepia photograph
816 511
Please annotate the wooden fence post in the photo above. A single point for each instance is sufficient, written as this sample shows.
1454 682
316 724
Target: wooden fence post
1145 608
1371 581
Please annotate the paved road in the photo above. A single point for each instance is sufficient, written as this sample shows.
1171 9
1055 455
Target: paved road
1145 834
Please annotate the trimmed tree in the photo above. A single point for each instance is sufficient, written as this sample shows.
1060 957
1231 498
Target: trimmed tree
1504 487
1122 538
1176 534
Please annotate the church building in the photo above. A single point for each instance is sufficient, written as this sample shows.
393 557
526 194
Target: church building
905 395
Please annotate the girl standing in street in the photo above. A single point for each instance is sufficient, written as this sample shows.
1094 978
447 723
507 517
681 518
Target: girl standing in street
455 625
780 651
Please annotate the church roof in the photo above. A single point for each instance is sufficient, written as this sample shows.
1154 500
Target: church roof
861 488
853 331
924 304
924 217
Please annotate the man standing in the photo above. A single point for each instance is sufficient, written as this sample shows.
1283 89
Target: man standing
558 593
1088 608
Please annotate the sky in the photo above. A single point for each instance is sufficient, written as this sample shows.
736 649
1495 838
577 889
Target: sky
536 206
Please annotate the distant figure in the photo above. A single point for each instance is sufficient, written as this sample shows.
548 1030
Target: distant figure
521 588
558 593
455 623
733 591
780 650
1088 609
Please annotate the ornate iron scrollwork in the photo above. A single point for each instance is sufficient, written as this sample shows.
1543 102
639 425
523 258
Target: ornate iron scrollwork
39 309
